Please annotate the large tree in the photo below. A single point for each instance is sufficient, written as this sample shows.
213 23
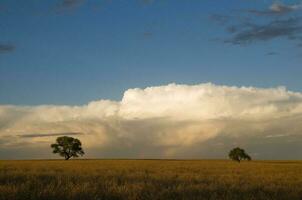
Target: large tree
68 147
238 154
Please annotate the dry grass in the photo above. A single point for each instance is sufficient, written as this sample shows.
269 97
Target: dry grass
149 179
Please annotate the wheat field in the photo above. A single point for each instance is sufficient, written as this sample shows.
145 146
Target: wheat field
149 179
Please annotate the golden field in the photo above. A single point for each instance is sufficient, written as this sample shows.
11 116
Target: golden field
149 179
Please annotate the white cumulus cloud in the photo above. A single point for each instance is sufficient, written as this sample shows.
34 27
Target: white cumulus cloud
164 121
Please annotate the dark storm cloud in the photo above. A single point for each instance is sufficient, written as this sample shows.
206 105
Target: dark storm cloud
33 135
248 33
7 48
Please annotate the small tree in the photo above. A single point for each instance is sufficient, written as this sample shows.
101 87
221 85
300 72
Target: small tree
238 154
68 147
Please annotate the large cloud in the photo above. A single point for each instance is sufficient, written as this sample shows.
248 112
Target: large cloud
202 120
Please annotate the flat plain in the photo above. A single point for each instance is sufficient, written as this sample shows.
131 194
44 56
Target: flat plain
149 179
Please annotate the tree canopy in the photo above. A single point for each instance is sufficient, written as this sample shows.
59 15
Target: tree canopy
238 154
68 147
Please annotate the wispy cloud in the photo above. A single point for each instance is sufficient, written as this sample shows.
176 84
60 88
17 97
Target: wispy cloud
220 19
277 8
34 135
247 33
248 29
7 48
146 2
147 34
272 53
64 5
276 136
2 8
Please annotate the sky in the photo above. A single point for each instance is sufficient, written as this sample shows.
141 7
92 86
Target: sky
151 78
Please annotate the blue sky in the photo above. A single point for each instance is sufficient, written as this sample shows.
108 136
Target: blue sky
115 60
74 51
